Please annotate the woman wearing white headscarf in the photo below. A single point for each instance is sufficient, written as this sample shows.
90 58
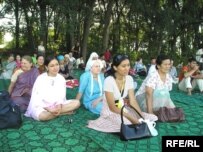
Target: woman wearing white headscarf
93 56
91 87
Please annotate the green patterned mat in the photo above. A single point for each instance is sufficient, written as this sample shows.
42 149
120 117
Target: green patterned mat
59 135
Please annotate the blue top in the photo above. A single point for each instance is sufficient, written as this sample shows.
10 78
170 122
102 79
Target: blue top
139 67
85 88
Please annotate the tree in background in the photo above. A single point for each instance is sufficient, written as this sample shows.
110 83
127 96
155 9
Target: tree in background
138 28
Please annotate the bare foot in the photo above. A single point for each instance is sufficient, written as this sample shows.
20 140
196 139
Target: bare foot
55 110
189 93
68 113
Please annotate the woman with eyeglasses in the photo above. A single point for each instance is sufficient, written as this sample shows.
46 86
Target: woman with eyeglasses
48 99
118 86
154 91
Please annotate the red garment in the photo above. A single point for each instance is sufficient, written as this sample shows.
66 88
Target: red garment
18 64
184 70
72 83
107 55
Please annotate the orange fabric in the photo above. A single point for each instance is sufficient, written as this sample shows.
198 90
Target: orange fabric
184 70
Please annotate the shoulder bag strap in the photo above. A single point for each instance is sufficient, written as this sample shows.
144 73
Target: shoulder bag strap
133 109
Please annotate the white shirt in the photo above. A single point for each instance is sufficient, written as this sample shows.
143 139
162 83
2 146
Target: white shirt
47 91
111 86
154 81
198 55
41 48
79 61
152 69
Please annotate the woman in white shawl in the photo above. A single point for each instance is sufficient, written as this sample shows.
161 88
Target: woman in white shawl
91 87
93 56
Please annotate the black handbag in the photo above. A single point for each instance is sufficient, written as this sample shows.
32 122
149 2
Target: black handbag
133 131
10 115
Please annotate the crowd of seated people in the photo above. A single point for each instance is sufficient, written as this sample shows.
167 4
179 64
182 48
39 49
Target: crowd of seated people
40 88
140 68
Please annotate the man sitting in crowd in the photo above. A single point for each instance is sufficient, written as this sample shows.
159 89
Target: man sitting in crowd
190 76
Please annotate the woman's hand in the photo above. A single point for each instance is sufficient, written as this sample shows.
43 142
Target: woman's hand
55 110
132 119
95 102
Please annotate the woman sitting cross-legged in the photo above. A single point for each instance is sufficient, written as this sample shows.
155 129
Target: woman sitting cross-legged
22 82
154 91
117 87
48 98
91 87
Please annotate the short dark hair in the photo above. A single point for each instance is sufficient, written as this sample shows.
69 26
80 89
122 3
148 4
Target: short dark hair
160 58
39 56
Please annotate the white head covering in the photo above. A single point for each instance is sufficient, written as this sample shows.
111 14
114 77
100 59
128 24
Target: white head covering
66 55
93 55
91 63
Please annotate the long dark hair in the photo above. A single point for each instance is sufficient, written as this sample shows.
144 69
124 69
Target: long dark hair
117 59
49 59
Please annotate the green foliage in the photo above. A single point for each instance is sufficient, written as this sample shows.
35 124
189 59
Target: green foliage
1 38
137 28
